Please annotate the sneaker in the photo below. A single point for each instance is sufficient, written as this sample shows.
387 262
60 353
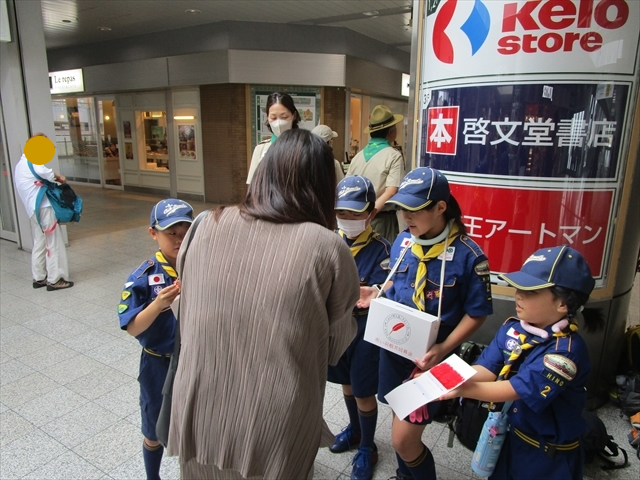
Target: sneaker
363 463
59 285
39 283
345 441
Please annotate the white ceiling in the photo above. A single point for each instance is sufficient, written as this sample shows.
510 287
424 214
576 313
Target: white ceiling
75 22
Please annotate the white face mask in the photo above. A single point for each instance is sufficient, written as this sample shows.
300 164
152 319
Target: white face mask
280 126
352 228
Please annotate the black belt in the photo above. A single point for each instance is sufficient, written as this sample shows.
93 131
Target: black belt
156 354
549 448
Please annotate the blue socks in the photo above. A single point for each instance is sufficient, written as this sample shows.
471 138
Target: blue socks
402 468
352 410
368 421
423 467
152 459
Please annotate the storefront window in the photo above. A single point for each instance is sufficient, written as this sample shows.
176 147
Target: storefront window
155 140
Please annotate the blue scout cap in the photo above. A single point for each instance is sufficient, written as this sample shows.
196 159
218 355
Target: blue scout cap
170 211
556 266
355 193
421 187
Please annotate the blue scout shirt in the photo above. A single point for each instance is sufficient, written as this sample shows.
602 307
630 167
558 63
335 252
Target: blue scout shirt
550 382
140 290
467 285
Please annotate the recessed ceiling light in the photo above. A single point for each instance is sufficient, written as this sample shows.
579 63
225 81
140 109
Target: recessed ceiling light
371 13
104 29
192 10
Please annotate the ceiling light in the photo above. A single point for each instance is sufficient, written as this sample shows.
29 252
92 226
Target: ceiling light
183 117
104 29
192 11
61 116
107 117
371 13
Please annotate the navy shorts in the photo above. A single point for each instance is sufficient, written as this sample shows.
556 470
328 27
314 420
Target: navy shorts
153 371
358 366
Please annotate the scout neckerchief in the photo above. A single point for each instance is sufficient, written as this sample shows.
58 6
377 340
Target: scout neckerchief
532 342
374 146
362 240
421 275
165 265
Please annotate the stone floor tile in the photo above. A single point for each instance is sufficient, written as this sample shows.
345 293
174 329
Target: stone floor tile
13 370
51 405
111 447
80 425
20 458
102 380
65 467
13 426
67 371
25 389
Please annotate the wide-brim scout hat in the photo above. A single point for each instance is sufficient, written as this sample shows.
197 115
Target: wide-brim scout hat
355 194
420 188
170 211
560 266
381 118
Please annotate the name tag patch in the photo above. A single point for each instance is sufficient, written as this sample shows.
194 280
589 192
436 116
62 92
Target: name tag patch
450 252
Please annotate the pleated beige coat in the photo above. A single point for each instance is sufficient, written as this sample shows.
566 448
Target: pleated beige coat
265 308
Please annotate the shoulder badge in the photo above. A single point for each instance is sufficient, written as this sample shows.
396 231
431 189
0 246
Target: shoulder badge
482 268
122 308
385 264
561 365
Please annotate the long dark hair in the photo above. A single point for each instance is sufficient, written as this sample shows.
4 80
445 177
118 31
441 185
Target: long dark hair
453 212
287 102
593 319
295 182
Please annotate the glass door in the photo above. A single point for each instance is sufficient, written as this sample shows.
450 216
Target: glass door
110 151
8 225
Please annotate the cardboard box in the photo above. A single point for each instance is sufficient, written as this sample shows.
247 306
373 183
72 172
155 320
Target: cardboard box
403 330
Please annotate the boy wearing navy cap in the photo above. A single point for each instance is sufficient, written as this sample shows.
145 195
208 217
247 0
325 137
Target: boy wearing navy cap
145 313
543 366
357 369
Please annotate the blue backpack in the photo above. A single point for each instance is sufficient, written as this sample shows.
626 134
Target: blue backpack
66 204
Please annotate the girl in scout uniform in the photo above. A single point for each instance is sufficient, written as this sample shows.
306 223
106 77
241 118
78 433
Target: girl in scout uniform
547 385
433 216
357 369
145 313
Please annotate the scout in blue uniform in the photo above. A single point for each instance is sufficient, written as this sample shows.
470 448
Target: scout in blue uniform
433 218
357 369
545 364
145 313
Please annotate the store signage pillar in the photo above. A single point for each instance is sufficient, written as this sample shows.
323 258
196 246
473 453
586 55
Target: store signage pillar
529 107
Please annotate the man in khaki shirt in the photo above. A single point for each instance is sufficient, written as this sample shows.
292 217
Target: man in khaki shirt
383 165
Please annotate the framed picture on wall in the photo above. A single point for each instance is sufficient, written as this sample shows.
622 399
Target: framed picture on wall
128 149
127 129
187 141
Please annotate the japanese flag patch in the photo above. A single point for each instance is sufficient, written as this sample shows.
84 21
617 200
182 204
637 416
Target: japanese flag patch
156 279
513 333
405 242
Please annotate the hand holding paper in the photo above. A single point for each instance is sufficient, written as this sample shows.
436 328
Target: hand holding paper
429 386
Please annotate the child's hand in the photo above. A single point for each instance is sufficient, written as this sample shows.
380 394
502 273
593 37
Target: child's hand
167 295
431 358
456 392
366 295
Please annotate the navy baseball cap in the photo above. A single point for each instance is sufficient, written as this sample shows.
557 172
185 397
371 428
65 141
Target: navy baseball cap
553 266
421 187
170 211
355 193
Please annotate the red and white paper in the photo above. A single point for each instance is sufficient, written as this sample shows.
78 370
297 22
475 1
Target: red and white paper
431 385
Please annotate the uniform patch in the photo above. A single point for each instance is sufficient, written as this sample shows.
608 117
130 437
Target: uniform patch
385 264
510 344
156 279
405 242
157 289
126 294
450 252
127 285
561 365
483 268
513 333
122 308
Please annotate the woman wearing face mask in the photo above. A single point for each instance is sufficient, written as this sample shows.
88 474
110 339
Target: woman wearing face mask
282 115
434 219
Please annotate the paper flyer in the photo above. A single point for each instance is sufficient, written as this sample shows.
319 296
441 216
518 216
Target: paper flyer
444 377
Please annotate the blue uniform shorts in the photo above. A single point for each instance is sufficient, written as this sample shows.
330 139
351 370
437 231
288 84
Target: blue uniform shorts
153 371
358 366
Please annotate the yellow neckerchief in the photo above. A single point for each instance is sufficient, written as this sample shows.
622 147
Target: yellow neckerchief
362 241
165 265
524 345
421 275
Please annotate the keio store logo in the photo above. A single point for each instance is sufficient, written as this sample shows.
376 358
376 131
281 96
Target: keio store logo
499 30
476 28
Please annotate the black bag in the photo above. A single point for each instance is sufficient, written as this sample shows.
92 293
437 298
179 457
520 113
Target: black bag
164 417
597 443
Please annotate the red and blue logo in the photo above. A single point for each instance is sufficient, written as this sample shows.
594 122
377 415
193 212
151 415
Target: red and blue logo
476 28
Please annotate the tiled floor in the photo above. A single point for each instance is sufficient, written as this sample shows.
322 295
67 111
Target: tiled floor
68 391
